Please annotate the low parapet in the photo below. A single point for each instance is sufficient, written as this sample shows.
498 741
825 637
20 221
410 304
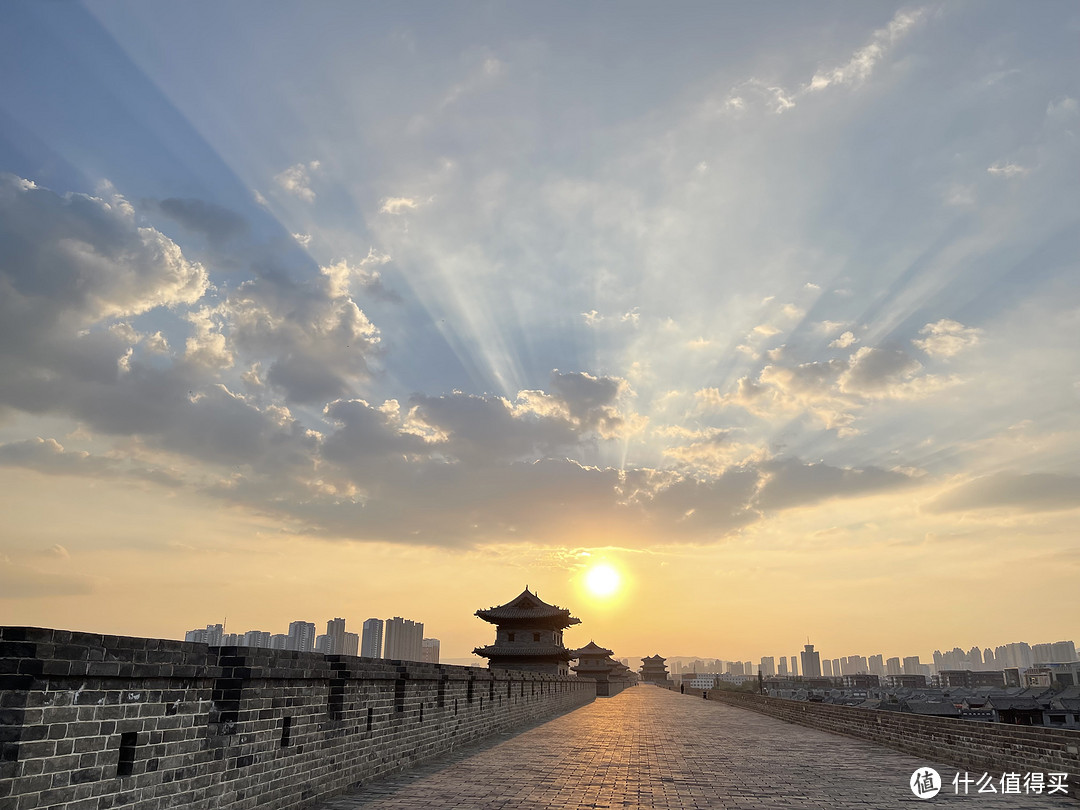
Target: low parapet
154 722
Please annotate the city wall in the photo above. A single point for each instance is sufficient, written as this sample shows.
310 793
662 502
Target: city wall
983 747
91 721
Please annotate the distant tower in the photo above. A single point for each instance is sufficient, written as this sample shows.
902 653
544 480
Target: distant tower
654 671
371 643
301 636
528 636
335 637
594 662
811 662
403 639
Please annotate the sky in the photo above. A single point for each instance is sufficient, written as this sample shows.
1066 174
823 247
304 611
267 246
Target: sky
346 309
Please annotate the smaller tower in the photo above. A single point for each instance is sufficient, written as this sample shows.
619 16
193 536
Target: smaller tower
594 662
654 671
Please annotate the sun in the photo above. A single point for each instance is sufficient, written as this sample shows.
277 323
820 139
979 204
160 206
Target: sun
602 580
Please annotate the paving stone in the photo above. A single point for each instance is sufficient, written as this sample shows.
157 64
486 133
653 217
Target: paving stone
656 749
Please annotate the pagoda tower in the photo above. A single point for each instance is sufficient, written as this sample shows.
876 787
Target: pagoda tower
594 662
528 636
654 670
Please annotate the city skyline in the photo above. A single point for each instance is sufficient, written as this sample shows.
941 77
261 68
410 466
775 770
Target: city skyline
1017 653
723 327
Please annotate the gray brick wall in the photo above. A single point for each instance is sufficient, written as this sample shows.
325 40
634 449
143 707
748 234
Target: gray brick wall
91 721
987 747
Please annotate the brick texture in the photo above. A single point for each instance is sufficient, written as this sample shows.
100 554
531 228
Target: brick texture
992 747
93 722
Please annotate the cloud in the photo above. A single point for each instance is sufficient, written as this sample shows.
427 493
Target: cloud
83 259
790 483
947 338
342 277
316 342
879 372
297 180
830 391
398 205
862 63
715 450
49 456
216 223
207 346
844 341
1007 170
775 98
68 266
481 429
1063 108
1032 492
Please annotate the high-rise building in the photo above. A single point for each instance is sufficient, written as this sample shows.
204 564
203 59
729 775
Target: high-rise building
335 637
768 666
372 644
211 635
876 665
351 644
782 664
811 662
429 651
892 667
826 668
403 639
912 666
279 641
256 638
301 636
1064 652
794 667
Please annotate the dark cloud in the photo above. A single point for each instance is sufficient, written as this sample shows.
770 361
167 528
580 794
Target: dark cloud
216 223
1033 492
80 259
789 483
875 370
367 437
484 430
69 266
588 399
319 344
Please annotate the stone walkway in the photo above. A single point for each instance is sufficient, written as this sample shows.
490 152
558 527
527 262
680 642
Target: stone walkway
650 748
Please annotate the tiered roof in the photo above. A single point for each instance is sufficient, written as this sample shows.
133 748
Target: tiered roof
524 650
591 649
528 608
